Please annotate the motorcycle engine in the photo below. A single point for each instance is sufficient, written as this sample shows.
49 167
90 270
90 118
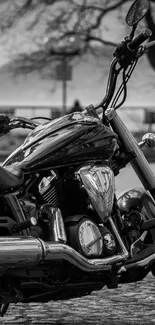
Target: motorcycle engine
83 234
88 238
48 189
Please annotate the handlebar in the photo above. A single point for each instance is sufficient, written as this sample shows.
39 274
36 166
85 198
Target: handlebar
137 41
125 55
8 123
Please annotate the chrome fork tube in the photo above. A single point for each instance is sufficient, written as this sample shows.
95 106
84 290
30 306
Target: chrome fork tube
123 248
139 163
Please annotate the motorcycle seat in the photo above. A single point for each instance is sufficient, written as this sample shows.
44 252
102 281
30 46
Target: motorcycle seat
10 177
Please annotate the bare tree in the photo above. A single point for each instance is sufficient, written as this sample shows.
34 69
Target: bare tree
55 26
151 25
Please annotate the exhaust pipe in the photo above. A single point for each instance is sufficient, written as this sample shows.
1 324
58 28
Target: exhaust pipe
16 252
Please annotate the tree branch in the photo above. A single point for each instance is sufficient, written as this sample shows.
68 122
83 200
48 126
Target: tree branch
101 40
109 8
151 51
57 19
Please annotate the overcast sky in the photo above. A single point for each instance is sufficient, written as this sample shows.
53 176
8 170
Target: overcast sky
88 80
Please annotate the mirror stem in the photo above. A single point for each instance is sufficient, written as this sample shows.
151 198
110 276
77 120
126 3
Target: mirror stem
133 31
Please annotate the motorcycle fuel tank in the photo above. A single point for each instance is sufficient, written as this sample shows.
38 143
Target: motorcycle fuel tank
71 138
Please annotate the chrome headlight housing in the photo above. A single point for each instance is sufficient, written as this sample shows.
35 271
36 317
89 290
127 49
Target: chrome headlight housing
99 183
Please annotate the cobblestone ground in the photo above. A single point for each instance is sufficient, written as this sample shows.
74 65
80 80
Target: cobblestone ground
129 304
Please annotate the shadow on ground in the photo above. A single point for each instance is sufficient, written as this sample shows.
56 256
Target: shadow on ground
129 304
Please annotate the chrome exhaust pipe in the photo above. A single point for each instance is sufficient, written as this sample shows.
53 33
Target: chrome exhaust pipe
59 251
20 252
16 252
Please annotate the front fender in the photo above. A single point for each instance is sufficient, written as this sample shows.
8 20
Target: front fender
140 200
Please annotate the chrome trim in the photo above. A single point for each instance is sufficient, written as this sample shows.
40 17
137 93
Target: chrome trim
16 252
20 251
58 251
99 183
141 263
110 113
118 237
57 231
134 246
58 225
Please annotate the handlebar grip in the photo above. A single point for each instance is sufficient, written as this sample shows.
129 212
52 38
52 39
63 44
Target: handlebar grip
139 39
4 119
4 124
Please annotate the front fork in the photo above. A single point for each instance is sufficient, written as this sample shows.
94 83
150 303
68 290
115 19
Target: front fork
139 162
145 202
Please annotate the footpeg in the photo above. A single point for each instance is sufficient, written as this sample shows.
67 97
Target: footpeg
146 257
25 224
114 279
138 245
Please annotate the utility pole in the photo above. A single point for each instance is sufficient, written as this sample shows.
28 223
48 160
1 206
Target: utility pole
64 74
64 85
63 70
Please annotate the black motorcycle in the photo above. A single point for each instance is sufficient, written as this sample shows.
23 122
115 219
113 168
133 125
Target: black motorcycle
63 231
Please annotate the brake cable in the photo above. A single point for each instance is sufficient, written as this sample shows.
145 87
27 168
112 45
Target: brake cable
126 77
123 88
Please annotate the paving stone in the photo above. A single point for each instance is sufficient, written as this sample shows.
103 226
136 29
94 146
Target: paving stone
132 304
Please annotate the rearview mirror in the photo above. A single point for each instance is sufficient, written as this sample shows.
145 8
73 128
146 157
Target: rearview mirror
148 140
137 11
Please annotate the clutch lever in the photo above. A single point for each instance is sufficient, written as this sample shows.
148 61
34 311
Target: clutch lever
22 122
26 120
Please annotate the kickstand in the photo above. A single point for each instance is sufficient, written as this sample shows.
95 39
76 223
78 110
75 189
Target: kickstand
3 309
113 277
